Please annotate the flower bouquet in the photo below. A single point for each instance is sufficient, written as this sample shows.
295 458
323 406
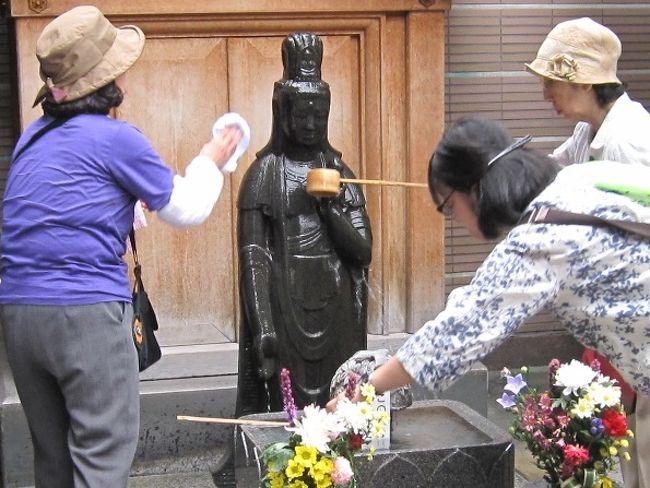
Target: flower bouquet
575 429
321 446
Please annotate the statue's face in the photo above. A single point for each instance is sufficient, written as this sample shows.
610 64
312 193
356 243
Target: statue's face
308 119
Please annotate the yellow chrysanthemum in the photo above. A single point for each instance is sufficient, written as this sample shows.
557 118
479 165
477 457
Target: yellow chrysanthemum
583 409
604 482
623 443
276 479
305 455
630 434
378 429
298 484
626 456
365 410
371 453
324 482
327 465
368 392
294 469
613 451
321 469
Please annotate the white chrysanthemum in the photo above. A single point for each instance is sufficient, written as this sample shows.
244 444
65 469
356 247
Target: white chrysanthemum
604 395
574 376
354 415
316 427
584 408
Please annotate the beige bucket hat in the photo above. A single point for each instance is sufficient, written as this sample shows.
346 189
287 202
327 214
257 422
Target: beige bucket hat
81 51
578 51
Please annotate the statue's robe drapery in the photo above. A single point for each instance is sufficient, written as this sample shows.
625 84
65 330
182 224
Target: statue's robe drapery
291 268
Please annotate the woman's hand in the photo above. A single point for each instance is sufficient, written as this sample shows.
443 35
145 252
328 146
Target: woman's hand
332 404
220 148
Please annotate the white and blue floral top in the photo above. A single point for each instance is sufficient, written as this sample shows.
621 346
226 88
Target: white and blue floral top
596 280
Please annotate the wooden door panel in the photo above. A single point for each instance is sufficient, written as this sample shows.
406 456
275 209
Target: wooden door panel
175 92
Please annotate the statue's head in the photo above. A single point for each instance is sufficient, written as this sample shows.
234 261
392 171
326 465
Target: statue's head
301 99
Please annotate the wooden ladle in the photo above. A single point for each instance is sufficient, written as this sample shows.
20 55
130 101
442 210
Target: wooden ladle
326 182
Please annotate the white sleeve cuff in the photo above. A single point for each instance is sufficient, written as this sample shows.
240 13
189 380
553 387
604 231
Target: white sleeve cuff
194 195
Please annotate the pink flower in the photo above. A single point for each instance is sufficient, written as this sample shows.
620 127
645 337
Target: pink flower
541 439
342 473
351 384
575 455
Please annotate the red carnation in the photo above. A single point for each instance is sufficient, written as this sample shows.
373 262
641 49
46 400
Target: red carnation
355 442
615 423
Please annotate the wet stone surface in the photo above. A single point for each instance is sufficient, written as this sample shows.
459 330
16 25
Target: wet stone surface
433 443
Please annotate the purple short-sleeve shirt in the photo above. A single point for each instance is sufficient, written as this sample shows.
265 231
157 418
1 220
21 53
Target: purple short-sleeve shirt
68 209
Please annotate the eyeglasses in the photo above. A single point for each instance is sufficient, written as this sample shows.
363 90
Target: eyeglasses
444 208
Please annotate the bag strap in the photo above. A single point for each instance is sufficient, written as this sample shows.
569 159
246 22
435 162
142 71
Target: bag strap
137 270
548 215
134 248
37 135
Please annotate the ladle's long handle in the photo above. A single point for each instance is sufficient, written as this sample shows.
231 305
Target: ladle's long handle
382 182
217 420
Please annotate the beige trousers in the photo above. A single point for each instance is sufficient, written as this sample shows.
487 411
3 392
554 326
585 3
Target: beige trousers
636 472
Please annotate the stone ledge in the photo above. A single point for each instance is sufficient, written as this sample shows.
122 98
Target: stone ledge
198 381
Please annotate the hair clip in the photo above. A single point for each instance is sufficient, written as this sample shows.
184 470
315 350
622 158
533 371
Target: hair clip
515 145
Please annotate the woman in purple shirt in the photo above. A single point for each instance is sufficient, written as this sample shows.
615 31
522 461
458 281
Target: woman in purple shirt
68 209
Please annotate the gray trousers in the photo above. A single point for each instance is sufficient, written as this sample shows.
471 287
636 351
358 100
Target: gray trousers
76 373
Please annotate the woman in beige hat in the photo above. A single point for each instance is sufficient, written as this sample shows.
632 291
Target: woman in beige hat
577 63
68 209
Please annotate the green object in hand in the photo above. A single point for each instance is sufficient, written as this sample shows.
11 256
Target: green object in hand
636 193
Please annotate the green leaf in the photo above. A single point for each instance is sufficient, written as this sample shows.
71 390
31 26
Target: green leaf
276 456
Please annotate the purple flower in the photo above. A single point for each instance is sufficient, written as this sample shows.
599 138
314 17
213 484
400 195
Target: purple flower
597 426
507 400
515 384
287 396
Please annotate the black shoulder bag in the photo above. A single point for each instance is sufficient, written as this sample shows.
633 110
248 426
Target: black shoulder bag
144 318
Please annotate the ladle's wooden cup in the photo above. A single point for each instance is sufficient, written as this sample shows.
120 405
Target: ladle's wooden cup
326 182
323 182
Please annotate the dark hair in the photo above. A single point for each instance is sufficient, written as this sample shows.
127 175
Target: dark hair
97 102
606 93
502 190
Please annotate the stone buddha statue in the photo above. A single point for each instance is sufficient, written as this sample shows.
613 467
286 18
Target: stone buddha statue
303 260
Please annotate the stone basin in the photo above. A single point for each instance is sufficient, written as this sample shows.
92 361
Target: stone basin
438 444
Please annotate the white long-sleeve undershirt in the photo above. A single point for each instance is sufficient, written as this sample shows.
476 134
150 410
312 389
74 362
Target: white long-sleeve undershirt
194 195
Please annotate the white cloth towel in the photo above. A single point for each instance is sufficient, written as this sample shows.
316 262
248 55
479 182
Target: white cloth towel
232 118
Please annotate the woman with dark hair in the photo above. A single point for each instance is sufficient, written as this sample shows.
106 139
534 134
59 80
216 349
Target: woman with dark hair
595 279
65 298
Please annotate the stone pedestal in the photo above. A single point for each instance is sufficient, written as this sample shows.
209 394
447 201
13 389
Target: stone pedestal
433 444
